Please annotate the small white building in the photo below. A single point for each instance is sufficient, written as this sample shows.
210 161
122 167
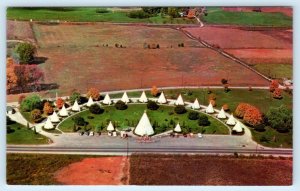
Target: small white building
90 102
48 124
210 109
179 100
238 127
221 114
231 120
107 100
162 99
63 112
75 106
196 104
144 126
125 98
54 118
143 98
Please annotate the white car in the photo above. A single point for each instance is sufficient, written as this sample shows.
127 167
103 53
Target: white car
91 133
200 135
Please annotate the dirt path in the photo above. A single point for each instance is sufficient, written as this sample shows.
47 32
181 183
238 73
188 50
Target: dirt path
95 171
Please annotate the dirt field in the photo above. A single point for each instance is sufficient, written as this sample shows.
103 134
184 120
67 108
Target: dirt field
227 37
263 56
17 30
285 10
208 170
110 68
95 171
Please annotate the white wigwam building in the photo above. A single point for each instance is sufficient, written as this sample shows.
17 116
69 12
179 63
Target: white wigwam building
196 104
48 124
179 100
110 127
144 126
177 128
107 100
162 99
125 98
221 114
143 98
63 112
231 120
54 118
90 102
75 106
210 109
238 127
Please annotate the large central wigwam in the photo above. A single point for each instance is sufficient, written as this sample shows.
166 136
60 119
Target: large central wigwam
144 126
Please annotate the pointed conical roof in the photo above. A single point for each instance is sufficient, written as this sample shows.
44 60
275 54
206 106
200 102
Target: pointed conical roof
238 127
107 100
54 118
63 112
177 128
75 106
179 100
48 124
144 126
231 120
110 127
196 104
221 114
143 98
162 99
125 98
90 102
210 109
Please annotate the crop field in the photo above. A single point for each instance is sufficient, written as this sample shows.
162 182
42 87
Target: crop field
77 58
285 10
208 170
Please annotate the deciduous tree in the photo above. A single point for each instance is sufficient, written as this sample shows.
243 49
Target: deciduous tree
280 118
253 116
25 52
48 109
154 91
59 103
277 93
94 93
273 85
241 109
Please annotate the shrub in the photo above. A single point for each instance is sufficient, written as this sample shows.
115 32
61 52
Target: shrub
213 102
193 115
79 121
273 85
280 118
253 116
224 81
226 88
225 107
59 103
74 96
241 109
96 109
36 114
152 105
48 109
154 91
277 93
120 105
212 97
25 52
203 120
208 90
138 14
102 10
180 109
31 102
94 93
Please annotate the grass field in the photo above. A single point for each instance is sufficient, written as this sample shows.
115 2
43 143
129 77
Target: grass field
37 169
275 139
87 14
275 70
22 135
219 16
208 170
131 116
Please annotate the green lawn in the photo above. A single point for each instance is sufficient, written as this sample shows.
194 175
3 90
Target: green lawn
218 16
131 116
22 135
275 70
37 169
275 139
84 14
258 98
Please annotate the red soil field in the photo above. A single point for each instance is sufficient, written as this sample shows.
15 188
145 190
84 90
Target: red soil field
95 171
209 170
285 10
17 30
227 37
263 56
